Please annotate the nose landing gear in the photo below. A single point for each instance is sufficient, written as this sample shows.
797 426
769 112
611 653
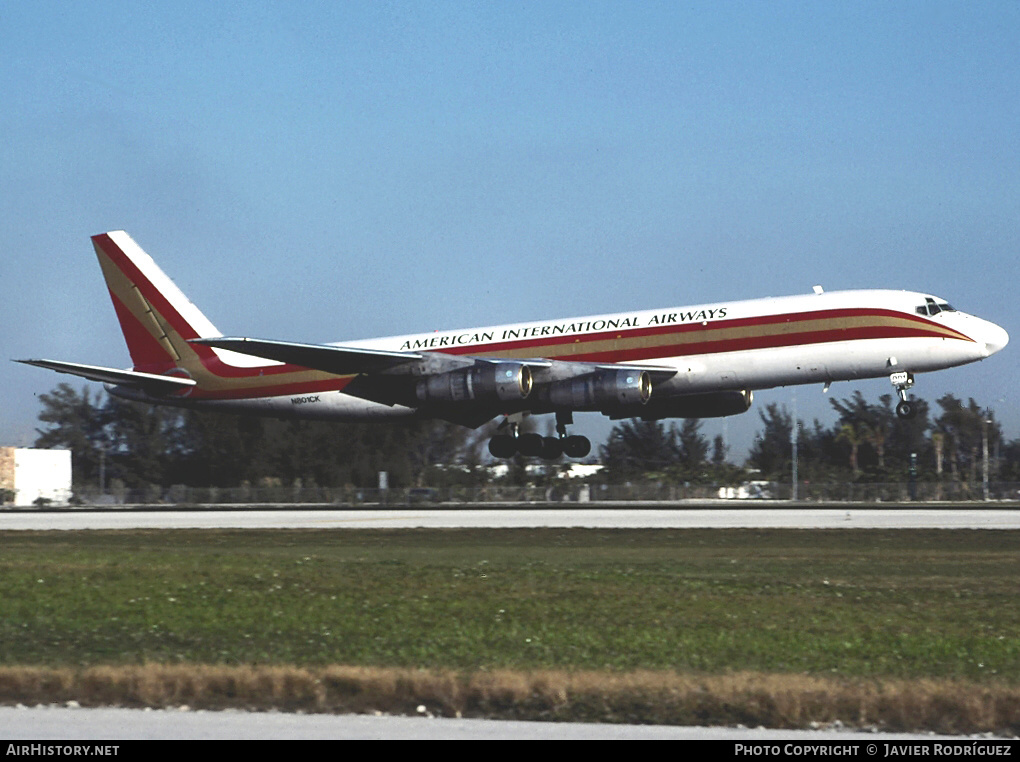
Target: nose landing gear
905 408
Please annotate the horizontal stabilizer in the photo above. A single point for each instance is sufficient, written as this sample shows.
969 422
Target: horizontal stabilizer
343 361
150 382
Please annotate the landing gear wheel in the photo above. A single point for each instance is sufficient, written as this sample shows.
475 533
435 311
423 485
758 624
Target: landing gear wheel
530 445
552 448
572 446
903 381
576 446
503 446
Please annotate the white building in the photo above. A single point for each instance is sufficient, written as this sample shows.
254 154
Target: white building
33 475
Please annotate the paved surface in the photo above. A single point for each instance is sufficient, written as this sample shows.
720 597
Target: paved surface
776 515
57 723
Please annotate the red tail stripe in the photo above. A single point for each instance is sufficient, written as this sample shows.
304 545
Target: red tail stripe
147 354
145 286
134 331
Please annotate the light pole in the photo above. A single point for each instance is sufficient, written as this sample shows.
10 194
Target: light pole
984 454
793 444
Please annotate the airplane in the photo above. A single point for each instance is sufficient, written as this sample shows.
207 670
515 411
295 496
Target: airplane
701 361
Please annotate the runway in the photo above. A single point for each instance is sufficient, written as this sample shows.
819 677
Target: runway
723 516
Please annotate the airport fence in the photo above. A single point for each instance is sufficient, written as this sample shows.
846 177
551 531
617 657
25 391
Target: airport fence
495 494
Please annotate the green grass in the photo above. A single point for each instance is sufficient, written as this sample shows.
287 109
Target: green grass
841 603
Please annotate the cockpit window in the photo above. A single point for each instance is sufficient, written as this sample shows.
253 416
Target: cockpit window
931 307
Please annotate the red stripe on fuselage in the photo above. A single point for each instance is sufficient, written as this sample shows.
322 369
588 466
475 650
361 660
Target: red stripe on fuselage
773 341
762 338
920 328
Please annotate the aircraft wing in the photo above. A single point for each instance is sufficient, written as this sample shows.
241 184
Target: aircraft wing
343 361
151 382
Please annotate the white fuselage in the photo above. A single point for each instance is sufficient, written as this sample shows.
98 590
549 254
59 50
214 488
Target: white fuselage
752 344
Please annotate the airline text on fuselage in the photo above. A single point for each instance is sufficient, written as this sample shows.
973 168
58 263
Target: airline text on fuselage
560 329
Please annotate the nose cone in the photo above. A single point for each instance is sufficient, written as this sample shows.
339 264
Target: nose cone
993 337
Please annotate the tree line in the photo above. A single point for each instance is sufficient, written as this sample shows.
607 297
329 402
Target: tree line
955 440
868 442
141 445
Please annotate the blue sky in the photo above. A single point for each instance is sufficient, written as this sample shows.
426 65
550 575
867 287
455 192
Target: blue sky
321 171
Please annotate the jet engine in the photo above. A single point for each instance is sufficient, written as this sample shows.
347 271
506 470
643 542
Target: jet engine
485 382
604 390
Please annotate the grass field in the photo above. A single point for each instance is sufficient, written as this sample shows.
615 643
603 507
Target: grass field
864 608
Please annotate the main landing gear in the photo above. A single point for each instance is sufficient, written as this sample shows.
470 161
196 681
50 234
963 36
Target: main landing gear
903 381
537 446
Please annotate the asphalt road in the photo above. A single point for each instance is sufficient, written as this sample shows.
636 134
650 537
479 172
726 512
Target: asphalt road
76 724
700 515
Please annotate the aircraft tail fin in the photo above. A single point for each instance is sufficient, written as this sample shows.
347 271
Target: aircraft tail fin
155 316
159 323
